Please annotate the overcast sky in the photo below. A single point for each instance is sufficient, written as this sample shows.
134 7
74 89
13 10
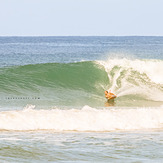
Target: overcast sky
81 17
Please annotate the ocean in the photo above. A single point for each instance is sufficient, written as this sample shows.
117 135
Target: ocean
53 106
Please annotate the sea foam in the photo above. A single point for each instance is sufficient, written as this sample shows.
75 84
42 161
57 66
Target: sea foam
85 119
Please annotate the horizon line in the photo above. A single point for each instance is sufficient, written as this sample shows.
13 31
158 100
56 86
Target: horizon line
81 35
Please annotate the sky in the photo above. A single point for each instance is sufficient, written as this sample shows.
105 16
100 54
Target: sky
81 17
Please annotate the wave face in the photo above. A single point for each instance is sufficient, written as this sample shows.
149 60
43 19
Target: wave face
85 119
64 84
83 83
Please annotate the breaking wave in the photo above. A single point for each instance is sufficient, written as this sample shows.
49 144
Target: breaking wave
84 82
85 119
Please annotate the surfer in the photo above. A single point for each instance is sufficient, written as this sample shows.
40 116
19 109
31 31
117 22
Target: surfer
110 98
109 95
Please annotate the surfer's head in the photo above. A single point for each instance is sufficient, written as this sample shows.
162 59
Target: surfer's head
106 92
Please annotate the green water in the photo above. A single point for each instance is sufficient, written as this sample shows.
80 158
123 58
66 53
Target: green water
52 104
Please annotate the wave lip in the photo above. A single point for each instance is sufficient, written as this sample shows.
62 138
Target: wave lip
152 68
86 119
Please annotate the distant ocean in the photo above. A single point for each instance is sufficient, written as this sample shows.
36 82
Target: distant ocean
52 103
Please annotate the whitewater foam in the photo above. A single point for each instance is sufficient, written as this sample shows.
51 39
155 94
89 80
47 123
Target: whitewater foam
85 119
152 68
133 77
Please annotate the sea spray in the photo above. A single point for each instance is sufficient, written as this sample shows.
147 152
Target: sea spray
152 68
143 78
